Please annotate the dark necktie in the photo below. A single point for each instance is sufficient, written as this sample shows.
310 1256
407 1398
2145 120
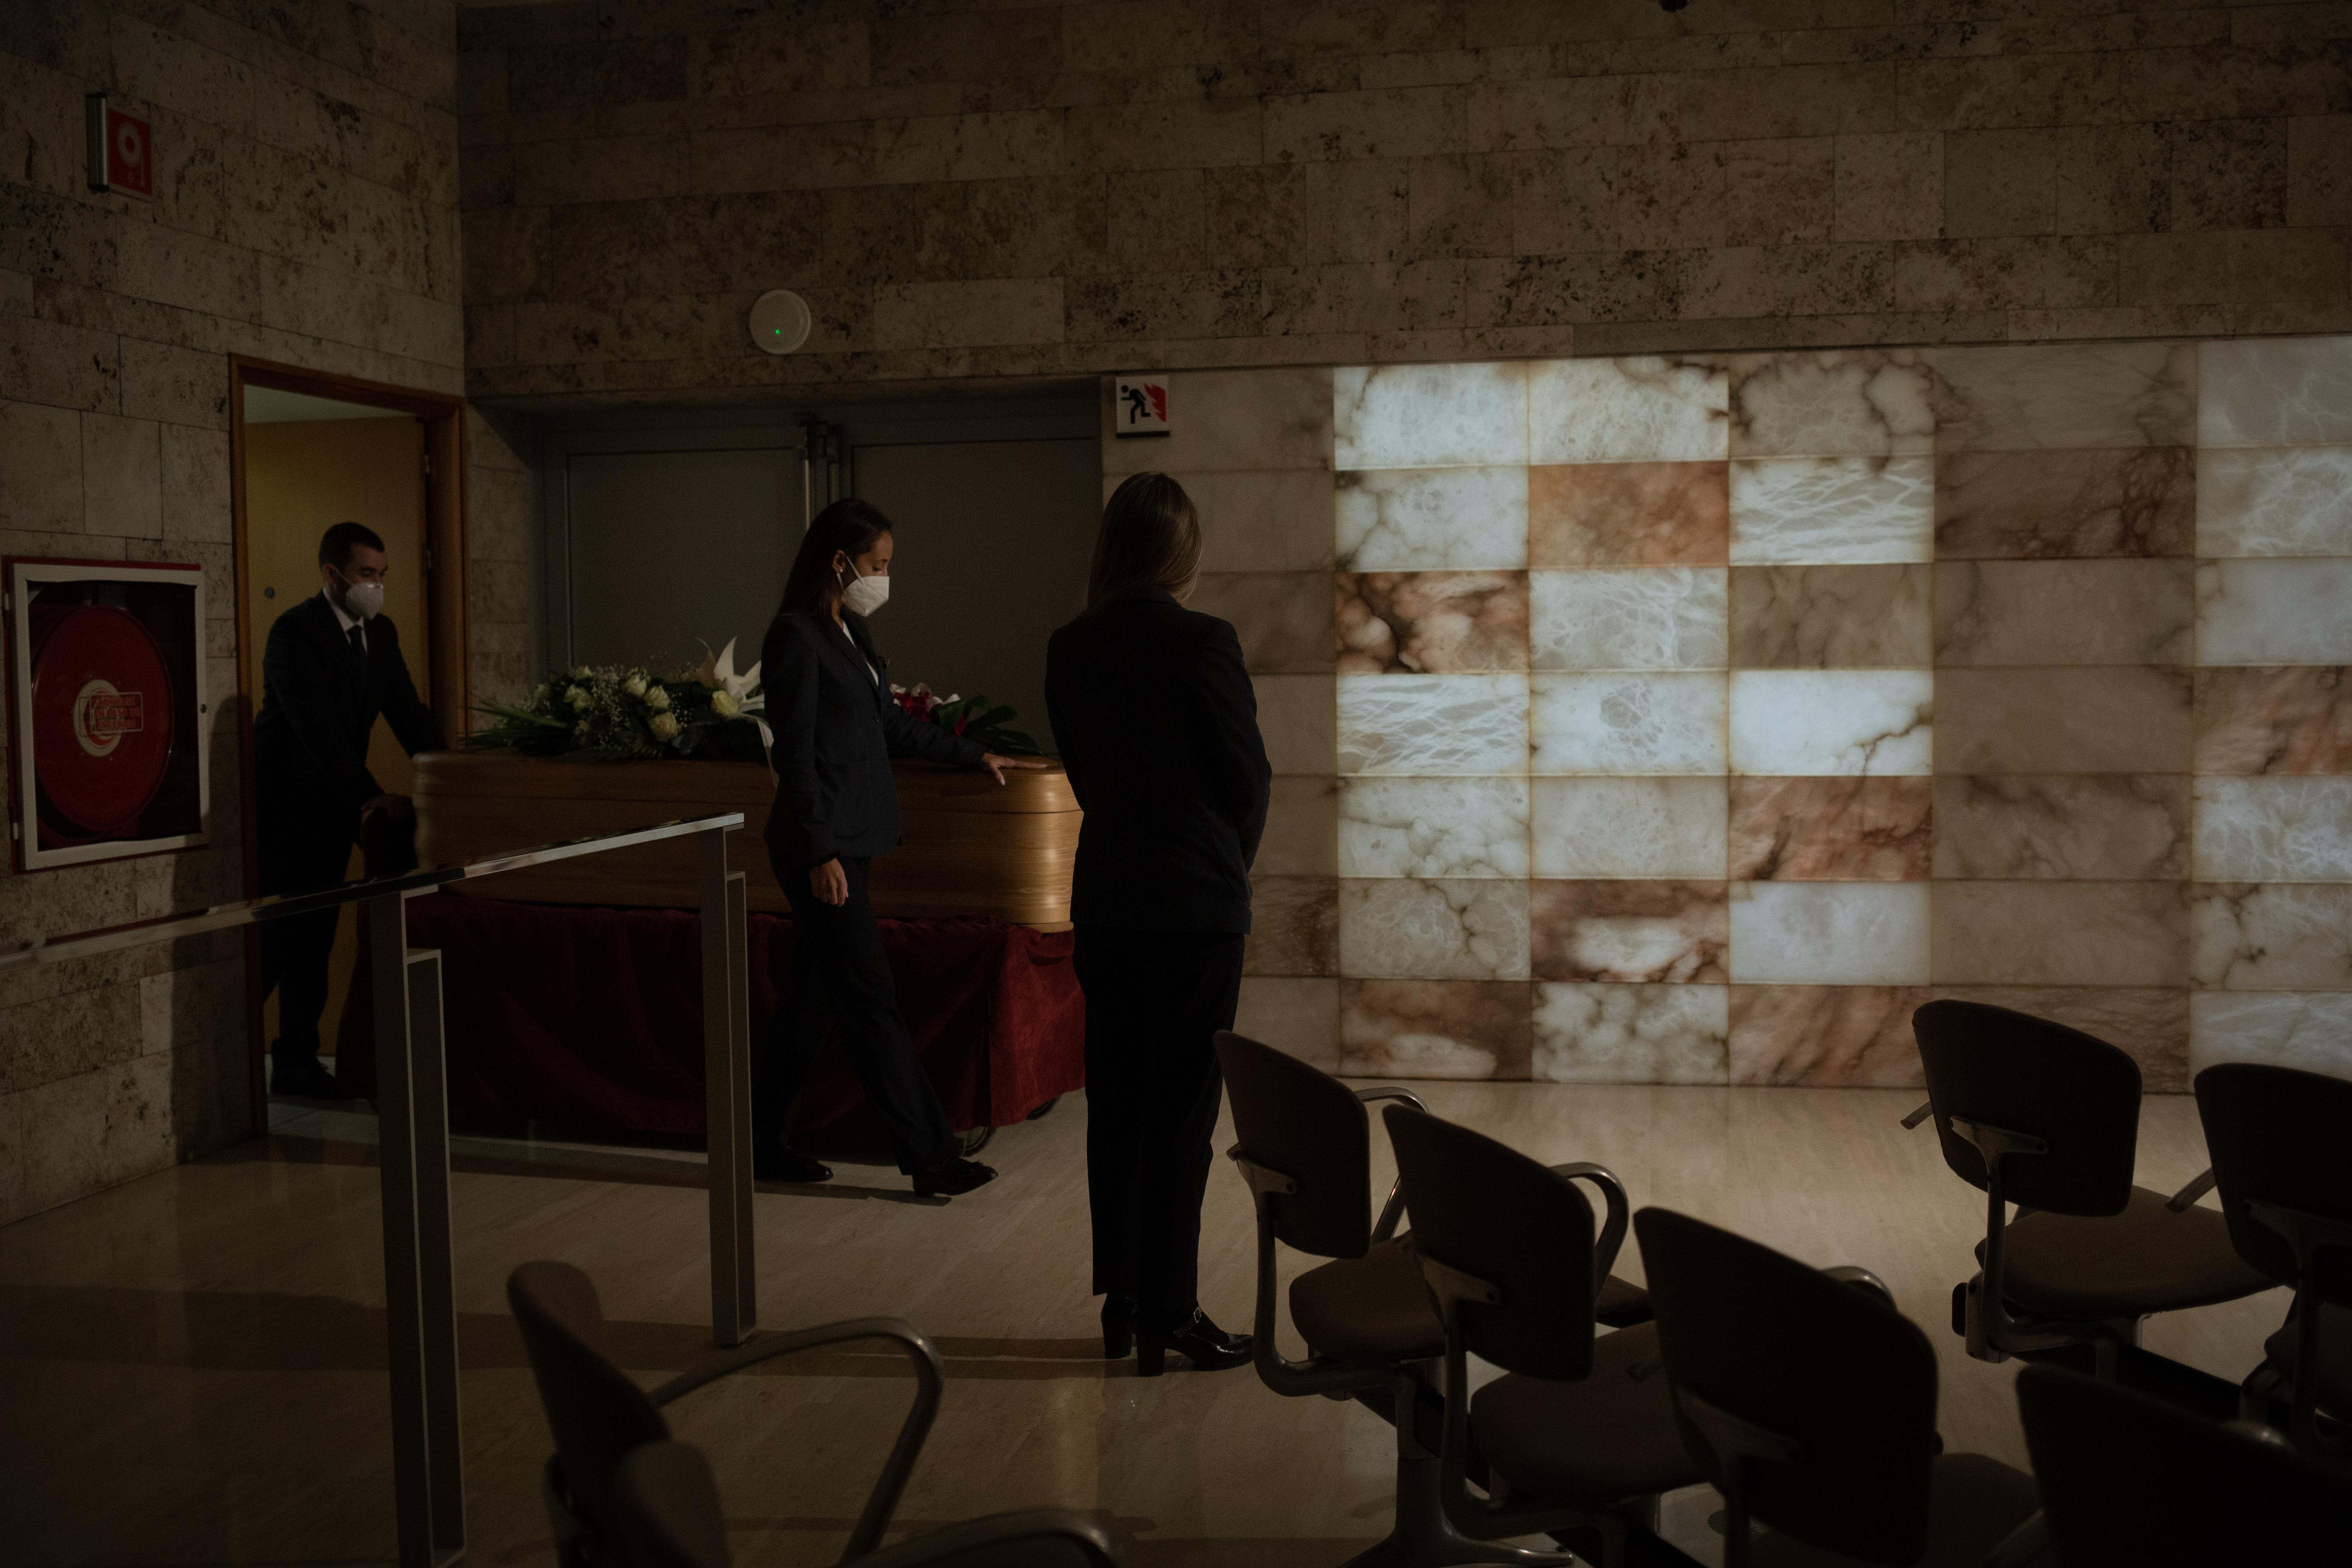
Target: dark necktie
359 660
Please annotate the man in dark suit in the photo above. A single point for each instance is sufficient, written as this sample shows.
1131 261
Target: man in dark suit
332 664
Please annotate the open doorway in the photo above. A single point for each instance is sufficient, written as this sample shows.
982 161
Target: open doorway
309 451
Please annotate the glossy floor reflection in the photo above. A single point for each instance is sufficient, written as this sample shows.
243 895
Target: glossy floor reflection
192 1366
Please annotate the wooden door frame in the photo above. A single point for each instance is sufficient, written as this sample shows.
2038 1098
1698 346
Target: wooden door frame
446 689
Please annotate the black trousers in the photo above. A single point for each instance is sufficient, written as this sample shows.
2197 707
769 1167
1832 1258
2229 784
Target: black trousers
839 978
1153 1000
302 848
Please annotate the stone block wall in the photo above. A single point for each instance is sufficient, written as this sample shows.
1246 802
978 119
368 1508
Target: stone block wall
993 189
1693 719
306 212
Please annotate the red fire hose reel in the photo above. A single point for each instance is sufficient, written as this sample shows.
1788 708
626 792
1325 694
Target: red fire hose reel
103 718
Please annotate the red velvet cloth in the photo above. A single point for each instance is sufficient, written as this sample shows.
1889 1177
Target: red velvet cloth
593 1017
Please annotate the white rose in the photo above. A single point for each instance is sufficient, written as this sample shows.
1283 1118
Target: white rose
581 672
664 726
635 686
657 699
577 696
723 703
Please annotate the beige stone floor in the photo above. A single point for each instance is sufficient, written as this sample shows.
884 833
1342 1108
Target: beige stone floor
192 1366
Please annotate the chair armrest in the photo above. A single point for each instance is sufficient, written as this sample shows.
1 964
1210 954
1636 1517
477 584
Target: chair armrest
1393 1210
2186 1198
892 1482
1918 1116
1862 1280
1000 1529
1613 1228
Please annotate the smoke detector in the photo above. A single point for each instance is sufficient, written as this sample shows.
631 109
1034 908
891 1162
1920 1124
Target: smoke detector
779 321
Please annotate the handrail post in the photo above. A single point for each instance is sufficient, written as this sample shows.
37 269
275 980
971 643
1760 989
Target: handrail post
727 1087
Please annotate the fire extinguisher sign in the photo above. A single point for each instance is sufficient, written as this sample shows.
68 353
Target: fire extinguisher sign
121 150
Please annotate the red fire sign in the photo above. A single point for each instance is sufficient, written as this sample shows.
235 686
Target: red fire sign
121 150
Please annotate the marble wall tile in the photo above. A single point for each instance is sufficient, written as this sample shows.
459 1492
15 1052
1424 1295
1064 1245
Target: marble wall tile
2310 1030
1284 617
1827 511
1412 519
2274 612
2056 827
2276 501
1434 1029
2057 933
1830 829
1628 514
1302 828
1829 933
2274 829
1831 617
1430 623
1832 721
1629 1034
2064 612
2246 936
1862 403
1434 828
2275 392
1275 521
2047 396
1653 617
1631 723
1229 420
2118 719
1640 409
1297 714
2137 500
1588 827
1293 926
1297 1017
1414 928
2292 720
1826 1036
2149 1023
1433 725
1630 931
1430 416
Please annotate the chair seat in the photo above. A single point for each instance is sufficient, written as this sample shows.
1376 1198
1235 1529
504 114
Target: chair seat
2147 1258
1622 1304
1587 1444
2335 1358
1973 1503
1369 1309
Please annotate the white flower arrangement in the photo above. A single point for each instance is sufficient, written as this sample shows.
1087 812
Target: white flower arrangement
616 713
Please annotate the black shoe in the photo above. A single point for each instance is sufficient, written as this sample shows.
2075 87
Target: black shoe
953 1177
1208 1347
299 1074
1118 1326
789 1166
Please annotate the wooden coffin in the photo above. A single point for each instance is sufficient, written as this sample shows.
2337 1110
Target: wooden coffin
972 847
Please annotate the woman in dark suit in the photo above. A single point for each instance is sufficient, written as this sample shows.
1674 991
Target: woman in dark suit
1158 728
836 807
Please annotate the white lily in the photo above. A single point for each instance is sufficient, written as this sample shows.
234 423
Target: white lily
718 672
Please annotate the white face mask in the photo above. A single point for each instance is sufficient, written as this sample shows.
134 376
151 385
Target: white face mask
864 596
364 600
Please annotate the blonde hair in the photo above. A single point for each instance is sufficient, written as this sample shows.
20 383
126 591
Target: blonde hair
1150 538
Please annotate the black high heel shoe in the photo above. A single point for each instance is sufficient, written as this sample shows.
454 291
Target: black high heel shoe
1118 1326
1199 1341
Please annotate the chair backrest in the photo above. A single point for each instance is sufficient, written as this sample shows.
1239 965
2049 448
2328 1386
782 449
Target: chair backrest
2129 1480
666 1507
2028 1075
1828 1366
2280 1135
1310 1127
596 1411
1490 1211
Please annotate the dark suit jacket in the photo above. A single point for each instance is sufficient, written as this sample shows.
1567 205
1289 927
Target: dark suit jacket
1158 727
837 730
310 739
